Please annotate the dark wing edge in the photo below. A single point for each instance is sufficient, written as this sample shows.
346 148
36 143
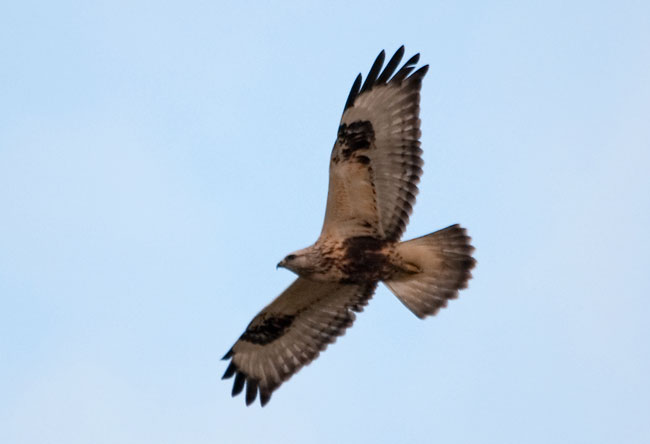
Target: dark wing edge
374 78
289 358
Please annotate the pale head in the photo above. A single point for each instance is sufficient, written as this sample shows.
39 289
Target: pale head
300 262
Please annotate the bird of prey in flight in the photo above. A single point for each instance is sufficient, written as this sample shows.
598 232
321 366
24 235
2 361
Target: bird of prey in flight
375 166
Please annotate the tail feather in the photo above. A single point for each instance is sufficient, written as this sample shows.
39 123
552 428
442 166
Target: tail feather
443 262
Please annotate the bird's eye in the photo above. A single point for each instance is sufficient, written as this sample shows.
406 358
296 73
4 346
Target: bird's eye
290 257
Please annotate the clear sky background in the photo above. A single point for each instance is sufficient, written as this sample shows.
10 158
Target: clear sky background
157 159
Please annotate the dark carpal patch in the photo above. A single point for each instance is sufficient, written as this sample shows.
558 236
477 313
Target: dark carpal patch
353 137
267 330
365 160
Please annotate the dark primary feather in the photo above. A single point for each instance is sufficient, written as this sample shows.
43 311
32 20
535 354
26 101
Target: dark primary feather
374 72
393 63
238 386
230 370
251 391
354 91
375 78
407 68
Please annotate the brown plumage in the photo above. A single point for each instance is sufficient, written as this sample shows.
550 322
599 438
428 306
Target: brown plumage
375 167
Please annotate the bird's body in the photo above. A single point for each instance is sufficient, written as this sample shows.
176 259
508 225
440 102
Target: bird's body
350 260
375 167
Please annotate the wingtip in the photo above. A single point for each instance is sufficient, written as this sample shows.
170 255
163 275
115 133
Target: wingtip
377 77
238 385
400 51
421 72
228 355
354 91
391 66
374 72
265 397
230 371
251 391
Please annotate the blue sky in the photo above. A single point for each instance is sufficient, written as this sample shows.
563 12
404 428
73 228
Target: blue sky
157 159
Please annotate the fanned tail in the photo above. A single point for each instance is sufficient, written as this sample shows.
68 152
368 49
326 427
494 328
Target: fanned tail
443 260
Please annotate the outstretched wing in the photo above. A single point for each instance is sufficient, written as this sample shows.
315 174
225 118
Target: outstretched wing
376 161
290 333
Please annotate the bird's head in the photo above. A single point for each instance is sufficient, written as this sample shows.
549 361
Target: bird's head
298 262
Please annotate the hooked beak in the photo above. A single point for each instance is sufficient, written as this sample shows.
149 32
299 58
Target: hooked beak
280 264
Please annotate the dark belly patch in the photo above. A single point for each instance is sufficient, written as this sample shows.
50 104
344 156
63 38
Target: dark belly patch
364 259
